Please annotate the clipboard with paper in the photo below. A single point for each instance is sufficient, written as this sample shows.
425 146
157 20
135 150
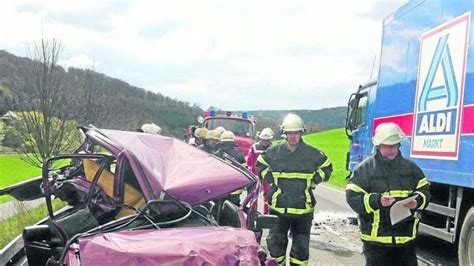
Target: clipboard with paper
399 212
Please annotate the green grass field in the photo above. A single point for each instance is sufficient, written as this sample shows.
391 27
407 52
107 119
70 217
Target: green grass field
13 226
334 144
14 170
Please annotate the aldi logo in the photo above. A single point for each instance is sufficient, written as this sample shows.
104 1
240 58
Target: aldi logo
440 90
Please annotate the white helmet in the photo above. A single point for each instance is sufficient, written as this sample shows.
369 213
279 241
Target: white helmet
292 123
151 128
220 129
388 134
266 133
227 136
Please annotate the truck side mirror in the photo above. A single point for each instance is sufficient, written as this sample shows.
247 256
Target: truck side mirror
351 106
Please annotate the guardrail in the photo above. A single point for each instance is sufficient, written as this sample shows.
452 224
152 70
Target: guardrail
12 252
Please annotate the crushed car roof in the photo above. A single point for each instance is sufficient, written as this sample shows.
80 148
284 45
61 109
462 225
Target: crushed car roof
183 171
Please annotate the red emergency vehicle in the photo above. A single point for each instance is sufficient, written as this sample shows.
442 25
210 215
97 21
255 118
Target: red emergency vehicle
241 124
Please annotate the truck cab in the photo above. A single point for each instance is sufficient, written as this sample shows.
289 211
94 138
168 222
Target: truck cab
358 125
241 124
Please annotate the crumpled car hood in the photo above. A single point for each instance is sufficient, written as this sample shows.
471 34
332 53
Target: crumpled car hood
177 246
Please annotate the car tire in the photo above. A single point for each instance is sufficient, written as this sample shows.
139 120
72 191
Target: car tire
466 240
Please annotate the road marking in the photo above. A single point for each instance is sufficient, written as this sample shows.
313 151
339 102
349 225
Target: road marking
333 189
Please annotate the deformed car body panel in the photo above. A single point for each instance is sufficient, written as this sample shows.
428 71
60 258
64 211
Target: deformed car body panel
177 246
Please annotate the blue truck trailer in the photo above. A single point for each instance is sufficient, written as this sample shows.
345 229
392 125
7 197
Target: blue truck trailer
425 84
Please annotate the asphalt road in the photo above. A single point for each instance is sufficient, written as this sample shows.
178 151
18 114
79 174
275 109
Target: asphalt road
433 251
334 240
14 207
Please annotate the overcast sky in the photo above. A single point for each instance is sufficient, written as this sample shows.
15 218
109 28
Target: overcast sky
243 55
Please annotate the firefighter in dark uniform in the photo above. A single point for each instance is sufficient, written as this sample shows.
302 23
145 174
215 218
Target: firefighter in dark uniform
227 146
375 185
211 143
293 169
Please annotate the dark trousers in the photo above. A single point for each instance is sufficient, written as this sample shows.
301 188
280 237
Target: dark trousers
300 228
382 255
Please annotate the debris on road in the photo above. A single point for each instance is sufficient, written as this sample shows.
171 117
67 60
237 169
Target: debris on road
335 232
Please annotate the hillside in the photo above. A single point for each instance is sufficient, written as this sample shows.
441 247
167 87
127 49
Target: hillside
101 100
315 120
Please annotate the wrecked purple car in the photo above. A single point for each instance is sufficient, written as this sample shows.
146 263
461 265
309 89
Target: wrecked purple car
143 199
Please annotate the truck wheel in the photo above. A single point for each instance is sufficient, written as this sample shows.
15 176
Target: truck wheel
466 240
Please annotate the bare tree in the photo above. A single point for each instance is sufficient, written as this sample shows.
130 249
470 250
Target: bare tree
91 105
99 101
43 125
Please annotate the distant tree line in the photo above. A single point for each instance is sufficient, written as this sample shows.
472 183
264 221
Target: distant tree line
315 120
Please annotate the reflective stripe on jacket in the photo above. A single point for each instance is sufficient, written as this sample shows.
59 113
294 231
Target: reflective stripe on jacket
377 176
292 176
